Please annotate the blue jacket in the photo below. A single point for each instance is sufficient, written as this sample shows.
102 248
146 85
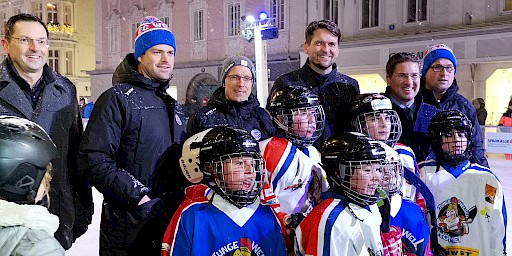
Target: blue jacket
415 134
335 91
453 100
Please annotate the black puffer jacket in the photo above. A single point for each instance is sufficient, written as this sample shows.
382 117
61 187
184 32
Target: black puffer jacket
126 136
453 100
57 113
247 115
335 91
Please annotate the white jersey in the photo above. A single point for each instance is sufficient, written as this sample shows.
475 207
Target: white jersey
409 163
334 228
470 208
295 176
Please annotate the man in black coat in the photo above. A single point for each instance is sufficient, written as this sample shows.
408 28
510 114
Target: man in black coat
233 104
439 88
131 126
30 89
335 90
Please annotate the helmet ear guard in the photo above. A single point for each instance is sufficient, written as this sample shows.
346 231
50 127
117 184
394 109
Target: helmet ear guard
189 162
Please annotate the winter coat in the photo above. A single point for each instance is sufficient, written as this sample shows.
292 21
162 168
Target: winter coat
481 115
335 91
131 126
453 100
415 132
219 111
57 113
28 230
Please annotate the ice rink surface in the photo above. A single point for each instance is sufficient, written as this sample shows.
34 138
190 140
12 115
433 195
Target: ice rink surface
87 245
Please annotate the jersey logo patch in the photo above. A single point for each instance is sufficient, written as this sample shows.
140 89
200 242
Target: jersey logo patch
490 193
454 219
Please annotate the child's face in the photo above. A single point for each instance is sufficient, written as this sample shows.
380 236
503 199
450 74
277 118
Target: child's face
304 122
240 173
454 143
379 126
366 178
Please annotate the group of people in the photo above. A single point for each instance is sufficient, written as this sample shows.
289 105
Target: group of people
322 170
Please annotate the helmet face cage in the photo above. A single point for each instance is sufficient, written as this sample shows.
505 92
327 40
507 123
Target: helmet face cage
360 180
303 125
393 173
383 125
238 177
451 135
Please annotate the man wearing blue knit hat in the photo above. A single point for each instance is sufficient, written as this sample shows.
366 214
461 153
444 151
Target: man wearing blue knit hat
438 87
132 125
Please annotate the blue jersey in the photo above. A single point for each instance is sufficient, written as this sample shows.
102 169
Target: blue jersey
200 227
415 230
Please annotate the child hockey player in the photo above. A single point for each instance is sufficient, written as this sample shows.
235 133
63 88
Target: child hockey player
227 218
25 152
470 206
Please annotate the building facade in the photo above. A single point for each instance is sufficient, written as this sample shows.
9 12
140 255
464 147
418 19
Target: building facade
207 31
71 27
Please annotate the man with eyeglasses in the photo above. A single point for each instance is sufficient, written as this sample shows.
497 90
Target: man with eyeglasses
30 89
233 104
403 78
439 88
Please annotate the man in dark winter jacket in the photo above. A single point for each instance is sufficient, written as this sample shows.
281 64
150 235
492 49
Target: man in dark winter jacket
132 125
439 88
336 91
403 78
233 104
30 89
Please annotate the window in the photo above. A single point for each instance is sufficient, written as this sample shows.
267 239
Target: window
113 36
67 14
52 13
416 10
165 20
37 10
331 10
135 26
53 59
277 13
508 5
69 62
198 25
234 19
370 13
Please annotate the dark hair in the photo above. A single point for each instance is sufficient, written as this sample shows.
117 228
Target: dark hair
326 24
399 57
9 25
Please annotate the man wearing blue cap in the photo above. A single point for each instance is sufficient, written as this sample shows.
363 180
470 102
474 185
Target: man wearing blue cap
438 87
132 125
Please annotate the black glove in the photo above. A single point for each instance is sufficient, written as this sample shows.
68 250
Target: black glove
294 220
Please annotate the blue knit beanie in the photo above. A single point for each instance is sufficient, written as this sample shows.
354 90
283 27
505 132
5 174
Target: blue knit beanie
435 52
150 33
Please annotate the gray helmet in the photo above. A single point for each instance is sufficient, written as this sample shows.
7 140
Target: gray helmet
25 151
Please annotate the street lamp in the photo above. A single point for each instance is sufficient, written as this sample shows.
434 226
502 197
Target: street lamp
260 30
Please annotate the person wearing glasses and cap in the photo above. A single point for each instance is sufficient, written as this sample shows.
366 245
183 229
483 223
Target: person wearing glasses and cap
438 87
30 89
233 104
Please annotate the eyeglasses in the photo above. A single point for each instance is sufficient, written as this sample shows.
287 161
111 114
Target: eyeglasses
246 79
439 68
404 76
27 40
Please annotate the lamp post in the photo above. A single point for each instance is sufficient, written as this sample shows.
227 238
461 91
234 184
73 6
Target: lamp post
260 30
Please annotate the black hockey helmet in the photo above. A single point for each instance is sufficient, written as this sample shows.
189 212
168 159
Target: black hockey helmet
204 156
25 151
345 153
374 112
451 123
288 101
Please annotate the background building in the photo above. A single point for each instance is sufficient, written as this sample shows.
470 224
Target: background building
207 31
72 42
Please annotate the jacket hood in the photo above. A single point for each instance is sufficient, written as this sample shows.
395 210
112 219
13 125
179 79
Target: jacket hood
31 216
219 100
126 72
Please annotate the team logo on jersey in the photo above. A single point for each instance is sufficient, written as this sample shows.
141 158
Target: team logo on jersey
294 187
244 247
490 193
256 134
454 219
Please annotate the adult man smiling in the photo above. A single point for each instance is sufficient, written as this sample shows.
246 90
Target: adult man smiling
233 104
